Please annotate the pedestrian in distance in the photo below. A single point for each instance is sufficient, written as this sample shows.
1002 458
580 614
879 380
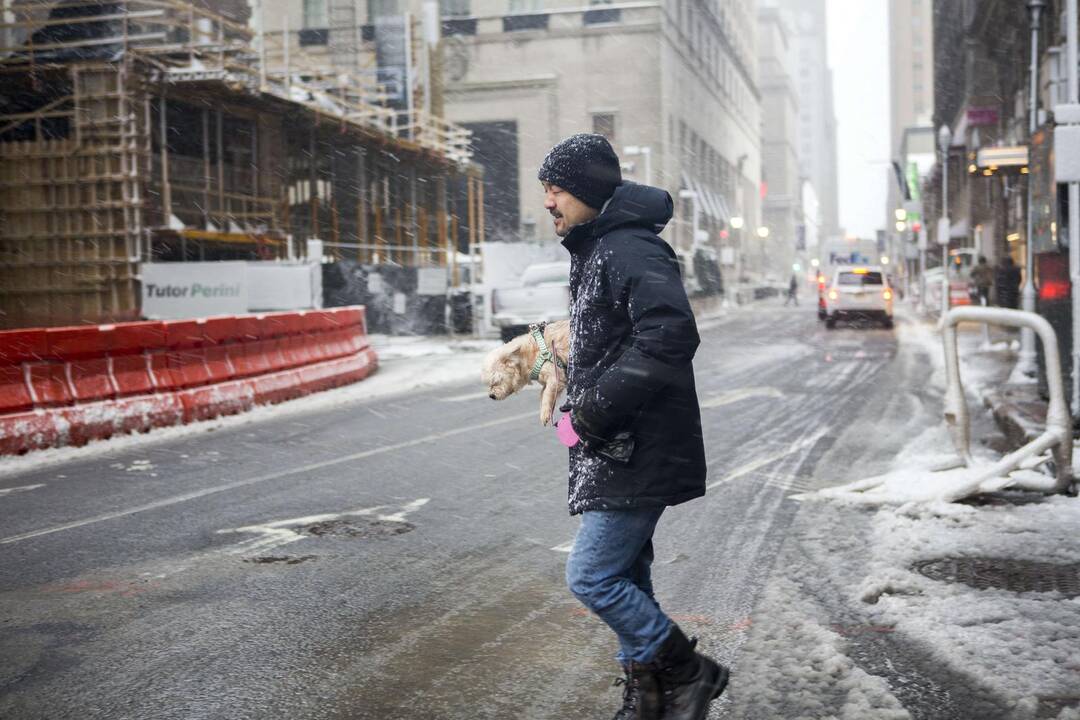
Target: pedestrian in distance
982 279
1007 281
633 424
792 291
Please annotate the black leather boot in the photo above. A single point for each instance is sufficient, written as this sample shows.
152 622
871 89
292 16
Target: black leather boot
641 693
689 681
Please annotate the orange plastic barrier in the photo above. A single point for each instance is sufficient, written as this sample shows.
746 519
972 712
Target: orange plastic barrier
67 386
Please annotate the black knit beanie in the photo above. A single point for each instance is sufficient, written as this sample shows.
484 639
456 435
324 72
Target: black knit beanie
585 166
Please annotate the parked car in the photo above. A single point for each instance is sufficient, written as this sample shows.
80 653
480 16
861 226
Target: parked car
543 296
859 292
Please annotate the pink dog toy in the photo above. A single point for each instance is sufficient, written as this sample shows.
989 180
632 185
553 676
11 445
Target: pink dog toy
566 433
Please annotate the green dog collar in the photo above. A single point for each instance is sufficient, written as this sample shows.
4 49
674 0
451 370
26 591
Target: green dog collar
545 354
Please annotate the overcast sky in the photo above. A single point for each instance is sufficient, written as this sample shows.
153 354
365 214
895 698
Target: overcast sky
859 57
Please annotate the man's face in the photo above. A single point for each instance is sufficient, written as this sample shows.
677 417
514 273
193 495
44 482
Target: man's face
566 210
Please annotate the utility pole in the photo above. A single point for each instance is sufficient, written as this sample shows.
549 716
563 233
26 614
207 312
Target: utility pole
944 227
1025 364
1073 95
1067 170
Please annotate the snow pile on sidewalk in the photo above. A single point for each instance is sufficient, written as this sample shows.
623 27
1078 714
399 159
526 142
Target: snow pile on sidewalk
396 347
1026 644
928 469
848 628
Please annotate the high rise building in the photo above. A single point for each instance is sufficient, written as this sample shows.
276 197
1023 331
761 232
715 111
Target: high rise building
782 183
911 93
817 115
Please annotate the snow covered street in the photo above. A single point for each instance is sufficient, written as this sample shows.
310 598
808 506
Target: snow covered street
396 549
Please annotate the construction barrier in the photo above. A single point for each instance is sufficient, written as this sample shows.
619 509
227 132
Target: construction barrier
70 385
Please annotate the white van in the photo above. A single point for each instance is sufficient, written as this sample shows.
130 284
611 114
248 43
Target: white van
859 292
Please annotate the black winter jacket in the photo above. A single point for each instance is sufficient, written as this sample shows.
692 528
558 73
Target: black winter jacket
632 342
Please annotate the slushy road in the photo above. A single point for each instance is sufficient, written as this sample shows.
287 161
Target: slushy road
404 558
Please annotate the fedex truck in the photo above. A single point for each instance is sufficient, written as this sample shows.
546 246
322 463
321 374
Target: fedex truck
849 251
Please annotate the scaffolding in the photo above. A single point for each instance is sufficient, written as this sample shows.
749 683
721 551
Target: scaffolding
153 130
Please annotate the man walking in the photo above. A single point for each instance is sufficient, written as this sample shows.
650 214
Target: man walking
635 425
792 291
982 277
1008 284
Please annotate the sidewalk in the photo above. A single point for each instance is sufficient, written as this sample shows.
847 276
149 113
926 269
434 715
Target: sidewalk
920 609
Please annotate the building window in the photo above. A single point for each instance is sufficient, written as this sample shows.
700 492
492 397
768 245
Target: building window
604 124
459 26
601 15
316 14
524 6
454 8
382 9
314 36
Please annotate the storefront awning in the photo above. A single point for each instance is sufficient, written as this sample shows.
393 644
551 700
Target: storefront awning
712 204
999 157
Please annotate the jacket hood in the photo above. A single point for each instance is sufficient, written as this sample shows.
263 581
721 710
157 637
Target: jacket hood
636 205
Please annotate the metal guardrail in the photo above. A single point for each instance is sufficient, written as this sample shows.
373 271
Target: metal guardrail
1058 434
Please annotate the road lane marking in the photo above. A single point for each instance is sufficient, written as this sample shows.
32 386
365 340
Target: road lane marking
769 459
22 488
467 396
281 532
740 394
177 499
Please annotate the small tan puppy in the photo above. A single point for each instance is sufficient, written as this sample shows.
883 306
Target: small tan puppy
507 369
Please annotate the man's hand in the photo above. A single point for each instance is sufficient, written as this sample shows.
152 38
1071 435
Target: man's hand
593 425
590 419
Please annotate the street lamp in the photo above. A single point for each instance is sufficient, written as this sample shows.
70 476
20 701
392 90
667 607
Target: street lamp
1025 363
737 225
644 151
763 233
944 141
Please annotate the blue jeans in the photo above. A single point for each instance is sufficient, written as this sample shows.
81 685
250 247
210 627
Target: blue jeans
609 571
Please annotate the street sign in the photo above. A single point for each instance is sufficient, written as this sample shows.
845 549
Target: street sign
943 231
194 289
980 116
1006 156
